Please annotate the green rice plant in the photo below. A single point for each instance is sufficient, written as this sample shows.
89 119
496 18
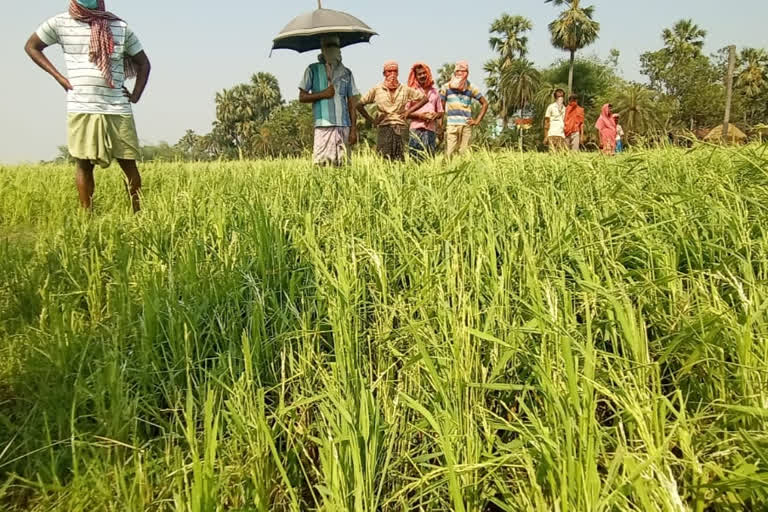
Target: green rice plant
505 332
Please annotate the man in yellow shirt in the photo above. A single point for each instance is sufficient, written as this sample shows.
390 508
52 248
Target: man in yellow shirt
391 99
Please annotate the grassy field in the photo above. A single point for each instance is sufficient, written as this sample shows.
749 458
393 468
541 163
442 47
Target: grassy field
510 333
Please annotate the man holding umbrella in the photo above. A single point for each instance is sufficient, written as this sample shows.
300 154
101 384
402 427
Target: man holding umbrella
330 87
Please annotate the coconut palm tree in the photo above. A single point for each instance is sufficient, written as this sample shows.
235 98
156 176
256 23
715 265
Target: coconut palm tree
685 37
573 30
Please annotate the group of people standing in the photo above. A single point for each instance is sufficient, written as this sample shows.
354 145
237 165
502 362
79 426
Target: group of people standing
416 111
564 126
101 52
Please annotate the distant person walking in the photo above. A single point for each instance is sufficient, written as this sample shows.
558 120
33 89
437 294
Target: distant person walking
333 103
424 121
100 52
619 135
606 127
395 103
457 96
554 122
574 124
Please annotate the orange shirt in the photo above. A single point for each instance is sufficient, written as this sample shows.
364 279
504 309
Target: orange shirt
574 119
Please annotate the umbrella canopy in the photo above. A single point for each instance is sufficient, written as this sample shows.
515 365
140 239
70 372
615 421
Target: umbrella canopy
303 34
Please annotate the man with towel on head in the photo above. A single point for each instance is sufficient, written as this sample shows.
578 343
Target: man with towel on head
333 103
395 103
100 52
457 98
424 121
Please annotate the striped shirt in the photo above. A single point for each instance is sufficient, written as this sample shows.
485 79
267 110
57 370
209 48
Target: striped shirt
458 104
333 112
90 93
392 105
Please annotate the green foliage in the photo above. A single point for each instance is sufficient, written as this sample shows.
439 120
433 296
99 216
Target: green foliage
240 111
503 332
692 79
592 79
512 80
751 85
573 30
288 132
444 74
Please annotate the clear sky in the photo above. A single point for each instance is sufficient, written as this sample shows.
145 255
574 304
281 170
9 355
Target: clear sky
199 47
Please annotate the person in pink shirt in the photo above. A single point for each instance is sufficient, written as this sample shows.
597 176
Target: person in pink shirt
424 121
606 127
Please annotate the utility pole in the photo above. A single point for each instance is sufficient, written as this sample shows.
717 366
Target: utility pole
729 91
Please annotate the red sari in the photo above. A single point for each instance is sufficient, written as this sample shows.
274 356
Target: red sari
606 125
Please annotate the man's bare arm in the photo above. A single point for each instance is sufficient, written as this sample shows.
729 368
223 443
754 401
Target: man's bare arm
362 110
306 97
483 111
416 106
143 68
34 49
352 106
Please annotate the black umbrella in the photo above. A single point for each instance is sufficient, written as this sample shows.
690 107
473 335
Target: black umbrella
304 33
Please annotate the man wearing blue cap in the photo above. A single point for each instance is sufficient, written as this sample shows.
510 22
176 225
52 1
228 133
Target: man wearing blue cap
100 53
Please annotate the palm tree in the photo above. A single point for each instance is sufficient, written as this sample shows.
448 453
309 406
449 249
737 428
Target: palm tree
685 37
444 74
522 81
265 90
753 74
508 41
507 37
637 106
573 30
752 78
493 81
188 144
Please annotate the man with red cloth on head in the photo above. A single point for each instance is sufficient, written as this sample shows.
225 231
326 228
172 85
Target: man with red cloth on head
100 52
395 103
424 122
574 123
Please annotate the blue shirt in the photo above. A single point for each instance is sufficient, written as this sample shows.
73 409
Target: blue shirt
332 112
458 104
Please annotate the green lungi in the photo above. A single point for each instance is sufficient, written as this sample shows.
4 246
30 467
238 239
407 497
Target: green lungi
101 138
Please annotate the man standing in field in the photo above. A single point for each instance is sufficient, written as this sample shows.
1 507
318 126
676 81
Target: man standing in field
574 123
395 103
554 123
333 103
424 121
457 97
100 53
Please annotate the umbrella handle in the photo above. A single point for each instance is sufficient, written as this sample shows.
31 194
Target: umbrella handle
319 4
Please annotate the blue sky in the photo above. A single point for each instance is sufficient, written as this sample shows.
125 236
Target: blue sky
199 47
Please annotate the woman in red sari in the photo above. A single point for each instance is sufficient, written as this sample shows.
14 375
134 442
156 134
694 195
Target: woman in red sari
606 125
